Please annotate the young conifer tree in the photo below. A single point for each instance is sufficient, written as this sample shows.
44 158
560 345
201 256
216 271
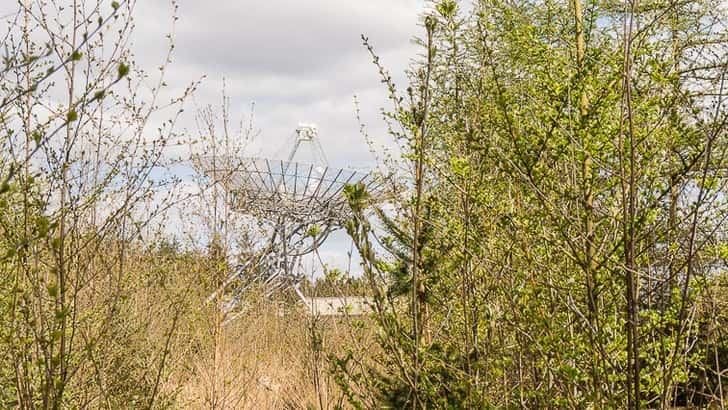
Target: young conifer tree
571 184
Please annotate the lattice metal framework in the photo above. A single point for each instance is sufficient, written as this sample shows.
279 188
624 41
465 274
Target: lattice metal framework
302 192
293 199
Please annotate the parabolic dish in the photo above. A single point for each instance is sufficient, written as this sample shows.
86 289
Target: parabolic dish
307 193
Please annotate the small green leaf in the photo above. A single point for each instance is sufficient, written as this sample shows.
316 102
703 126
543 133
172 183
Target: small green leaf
447 8
99 94
123 70
76 55
61 313
115 5
43 225
37 137
313 231
71 116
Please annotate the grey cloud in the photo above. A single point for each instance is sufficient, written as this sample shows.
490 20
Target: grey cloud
298 60
282 36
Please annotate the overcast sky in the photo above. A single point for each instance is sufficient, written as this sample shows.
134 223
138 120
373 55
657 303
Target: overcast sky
299 61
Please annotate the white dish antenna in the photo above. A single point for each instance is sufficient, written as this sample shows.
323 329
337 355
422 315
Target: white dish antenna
291 197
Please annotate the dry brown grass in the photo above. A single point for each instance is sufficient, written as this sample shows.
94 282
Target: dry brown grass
264 359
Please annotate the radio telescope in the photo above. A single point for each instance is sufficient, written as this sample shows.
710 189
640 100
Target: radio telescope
300 204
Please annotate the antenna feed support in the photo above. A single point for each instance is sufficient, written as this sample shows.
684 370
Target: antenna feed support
307 131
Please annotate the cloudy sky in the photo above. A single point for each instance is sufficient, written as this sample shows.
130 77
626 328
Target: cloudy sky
298 61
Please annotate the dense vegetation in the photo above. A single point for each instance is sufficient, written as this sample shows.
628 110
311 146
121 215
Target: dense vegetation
552 236
562 240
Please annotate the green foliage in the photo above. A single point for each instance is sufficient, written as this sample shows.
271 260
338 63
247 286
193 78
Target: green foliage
558 198
122 70
74 334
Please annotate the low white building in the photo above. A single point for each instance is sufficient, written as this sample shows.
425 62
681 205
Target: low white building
338 306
